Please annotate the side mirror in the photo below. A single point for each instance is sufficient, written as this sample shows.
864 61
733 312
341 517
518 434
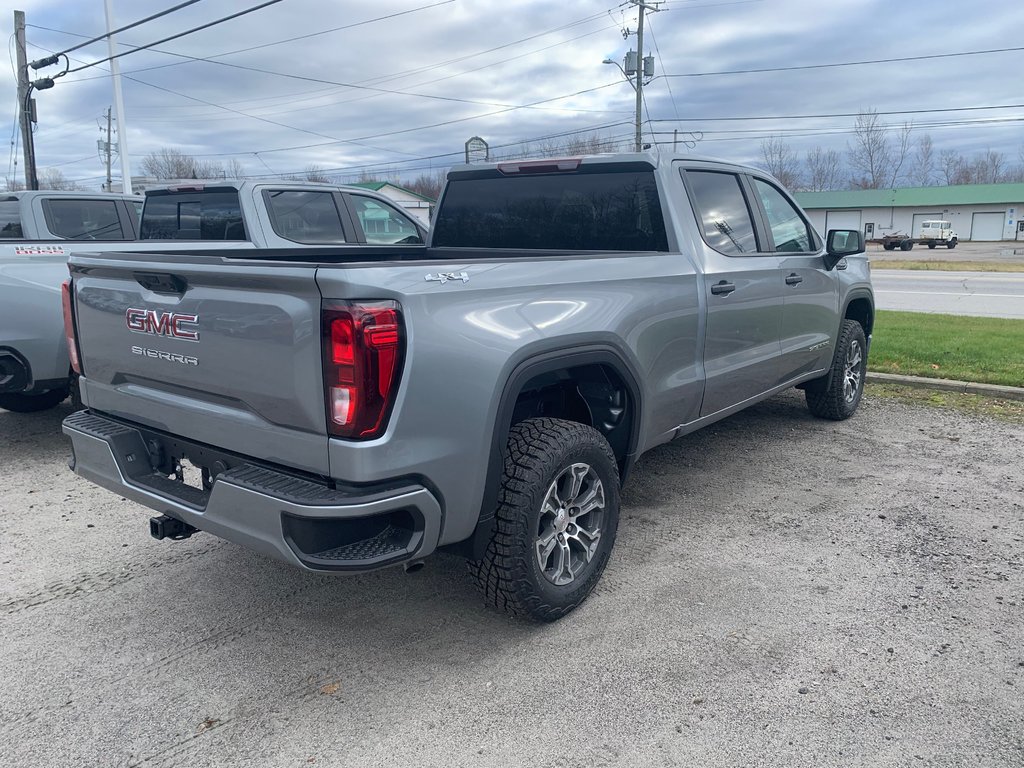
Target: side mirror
841 243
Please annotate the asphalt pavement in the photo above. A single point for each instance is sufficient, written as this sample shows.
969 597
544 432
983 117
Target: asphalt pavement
784 591
982 294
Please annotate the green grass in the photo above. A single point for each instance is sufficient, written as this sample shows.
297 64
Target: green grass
883 262
980 349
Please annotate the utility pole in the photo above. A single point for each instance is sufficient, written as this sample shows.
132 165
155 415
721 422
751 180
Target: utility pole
25 104
639 75
108 151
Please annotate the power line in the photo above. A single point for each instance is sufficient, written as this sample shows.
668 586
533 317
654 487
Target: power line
833 114
175 37
848 63
254 47
105 35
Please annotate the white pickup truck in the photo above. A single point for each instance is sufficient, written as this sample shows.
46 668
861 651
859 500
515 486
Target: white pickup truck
40 230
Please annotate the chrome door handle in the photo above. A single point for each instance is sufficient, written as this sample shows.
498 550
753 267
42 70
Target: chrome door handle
722 288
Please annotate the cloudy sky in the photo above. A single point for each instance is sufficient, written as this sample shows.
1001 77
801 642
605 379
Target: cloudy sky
338 85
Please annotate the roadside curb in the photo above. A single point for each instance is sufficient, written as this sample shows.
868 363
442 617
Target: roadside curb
950 385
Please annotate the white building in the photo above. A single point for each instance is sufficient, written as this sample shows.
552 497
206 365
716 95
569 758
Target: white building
977 211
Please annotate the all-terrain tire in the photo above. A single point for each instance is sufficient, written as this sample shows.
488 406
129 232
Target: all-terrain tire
839 399
538 454
19 402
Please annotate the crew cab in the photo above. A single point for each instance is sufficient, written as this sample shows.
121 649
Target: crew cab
351 408
46 227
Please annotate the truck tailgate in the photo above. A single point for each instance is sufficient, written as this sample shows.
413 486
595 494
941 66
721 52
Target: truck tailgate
227 355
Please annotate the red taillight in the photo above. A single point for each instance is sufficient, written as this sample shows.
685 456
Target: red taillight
363 345
69 327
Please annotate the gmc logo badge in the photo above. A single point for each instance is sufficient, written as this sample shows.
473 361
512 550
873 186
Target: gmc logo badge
172 324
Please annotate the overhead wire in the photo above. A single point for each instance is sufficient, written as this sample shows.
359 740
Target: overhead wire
134 24
191 31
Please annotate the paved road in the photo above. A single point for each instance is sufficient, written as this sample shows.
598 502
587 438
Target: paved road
784 592
1007 252
983 294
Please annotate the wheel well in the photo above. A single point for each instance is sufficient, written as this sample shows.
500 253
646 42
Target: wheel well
861 311
593 394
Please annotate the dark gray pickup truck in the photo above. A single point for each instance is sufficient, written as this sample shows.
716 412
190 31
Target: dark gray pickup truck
349 408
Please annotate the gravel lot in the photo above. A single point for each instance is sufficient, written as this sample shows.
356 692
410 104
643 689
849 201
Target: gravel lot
784 591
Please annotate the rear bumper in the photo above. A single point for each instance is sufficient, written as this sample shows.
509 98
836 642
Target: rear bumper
298 520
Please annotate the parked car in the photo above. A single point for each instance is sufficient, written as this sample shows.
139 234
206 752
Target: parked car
346 409
46 227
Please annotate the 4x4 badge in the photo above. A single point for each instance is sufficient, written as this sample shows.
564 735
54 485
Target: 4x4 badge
444 277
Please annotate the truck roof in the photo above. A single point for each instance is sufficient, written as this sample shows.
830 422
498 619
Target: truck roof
242 184
29 194
654 159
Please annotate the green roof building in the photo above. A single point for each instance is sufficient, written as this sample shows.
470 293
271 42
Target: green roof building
977 211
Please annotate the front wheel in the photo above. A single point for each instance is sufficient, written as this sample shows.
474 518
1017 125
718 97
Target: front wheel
838 399
951 244
557 517
20 402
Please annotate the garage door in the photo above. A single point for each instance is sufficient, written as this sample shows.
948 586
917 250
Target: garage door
919 217
987 226
842 220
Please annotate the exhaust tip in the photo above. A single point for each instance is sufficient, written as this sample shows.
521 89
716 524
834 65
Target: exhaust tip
413 566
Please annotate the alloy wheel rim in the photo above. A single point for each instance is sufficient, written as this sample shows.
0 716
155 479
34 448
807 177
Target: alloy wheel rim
852 373
569 528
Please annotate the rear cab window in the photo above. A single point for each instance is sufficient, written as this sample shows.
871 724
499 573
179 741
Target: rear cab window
305 216
207 214
10 219
593 207
85 219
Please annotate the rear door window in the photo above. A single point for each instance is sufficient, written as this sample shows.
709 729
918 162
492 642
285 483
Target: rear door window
10 219
722 212
305 217
84 219
207 215
383 224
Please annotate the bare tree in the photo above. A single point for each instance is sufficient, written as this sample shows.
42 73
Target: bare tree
824 170
234 169
317 174
428 184
923 173
780 161
876 161
989 168
54 178
170 163
952 167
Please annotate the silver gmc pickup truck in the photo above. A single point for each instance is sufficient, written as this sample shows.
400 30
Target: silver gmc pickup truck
40 230
487 393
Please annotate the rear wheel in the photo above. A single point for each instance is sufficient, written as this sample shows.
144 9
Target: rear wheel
24 403
931 245
889 246
906 245
839 399
556 521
